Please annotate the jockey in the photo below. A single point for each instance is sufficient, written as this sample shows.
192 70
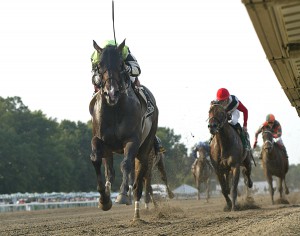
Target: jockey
233 106
207 149
131 65
275 128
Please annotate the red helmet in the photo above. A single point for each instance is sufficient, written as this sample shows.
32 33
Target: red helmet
222 94
270 118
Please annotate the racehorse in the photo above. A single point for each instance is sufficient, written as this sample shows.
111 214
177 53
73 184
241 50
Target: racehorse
227 154
274 163
202 170
119 125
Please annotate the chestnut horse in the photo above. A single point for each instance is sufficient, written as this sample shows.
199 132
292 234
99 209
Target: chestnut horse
202 170
119 125
274 163
227 155
155 161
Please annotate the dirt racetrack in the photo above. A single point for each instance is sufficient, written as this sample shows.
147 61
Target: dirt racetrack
173 217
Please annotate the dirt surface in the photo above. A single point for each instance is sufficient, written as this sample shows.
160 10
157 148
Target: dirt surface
172 217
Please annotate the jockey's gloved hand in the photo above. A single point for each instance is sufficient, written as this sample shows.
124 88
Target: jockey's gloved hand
128 69
229 116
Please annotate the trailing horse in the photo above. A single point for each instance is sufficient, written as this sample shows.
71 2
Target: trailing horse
274 163
120 124
155 161
202 170
227 155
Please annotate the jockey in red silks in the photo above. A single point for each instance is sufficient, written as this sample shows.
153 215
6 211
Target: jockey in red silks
233 106
276 130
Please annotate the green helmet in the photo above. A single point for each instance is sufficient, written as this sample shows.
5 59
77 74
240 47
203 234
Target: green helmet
95 58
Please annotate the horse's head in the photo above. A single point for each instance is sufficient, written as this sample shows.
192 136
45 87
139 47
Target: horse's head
202 154
110 71
267 139
217 117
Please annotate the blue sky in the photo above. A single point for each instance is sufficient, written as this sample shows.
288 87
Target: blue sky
186 50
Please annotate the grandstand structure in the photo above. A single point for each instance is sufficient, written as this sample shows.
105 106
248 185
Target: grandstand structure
277 25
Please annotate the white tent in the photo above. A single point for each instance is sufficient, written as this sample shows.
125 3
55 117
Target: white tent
185 190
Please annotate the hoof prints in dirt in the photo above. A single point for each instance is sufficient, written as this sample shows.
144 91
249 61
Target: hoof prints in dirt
167 212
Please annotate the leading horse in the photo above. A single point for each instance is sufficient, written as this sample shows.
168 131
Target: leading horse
227 154
274 163
202 170
119 125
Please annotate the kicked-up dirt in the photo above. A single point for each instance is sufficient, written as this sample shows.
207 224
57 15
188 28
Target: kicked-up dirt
257 216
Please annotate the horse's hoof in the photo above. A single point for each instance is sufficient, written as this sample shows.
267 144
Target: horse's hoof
249 183
171 195
287 192
107 206
226 209
122 199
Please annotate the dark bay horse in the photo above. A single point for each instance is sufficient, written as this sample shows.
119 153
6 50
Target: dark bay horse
274 163
120 126
227 154
202 170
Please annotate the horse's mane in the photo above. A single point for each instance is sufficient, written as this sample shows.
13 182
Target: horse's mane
110 57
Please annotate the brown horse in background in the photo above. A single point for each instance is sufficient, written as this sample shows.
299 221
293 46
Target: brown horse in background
274 163
202 170
227 154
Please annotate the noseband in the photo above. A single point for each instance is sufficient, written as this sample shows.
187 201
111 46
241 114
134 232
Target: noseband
271 142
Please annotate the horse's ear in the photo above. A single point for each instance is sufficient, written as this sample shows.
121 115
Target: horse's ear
96 46
121 46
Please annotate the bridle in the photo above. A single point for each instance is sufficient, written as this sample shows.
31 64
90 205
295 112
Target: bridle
220 123
98 73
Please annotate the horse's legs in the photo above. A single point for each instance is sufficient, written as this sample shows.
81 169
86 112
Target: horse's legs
198 185
163 175
127 165
225 191
207 188
247 171
104 200
280 189
286 187
235 181
271 189
141 169
108 163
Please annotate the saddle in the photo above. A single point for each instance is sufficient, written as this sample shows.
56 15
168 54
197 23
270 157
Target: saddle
145 98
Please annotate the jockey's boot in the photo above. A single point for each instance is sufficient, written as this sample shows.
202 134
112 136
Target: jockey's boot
242 135
248 144
158 147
